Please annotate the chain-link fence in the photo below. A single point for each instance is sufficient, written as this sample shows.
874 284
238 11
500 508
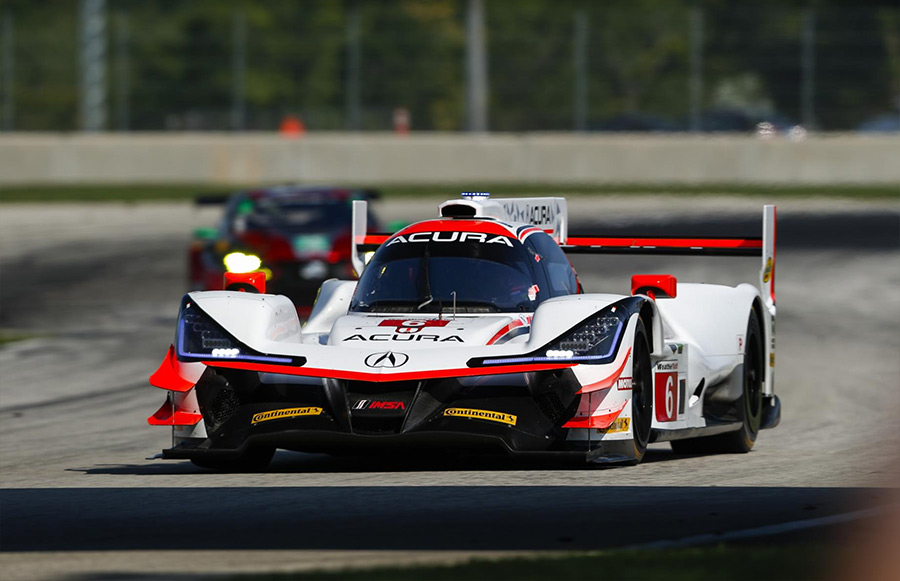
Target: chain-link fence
447 65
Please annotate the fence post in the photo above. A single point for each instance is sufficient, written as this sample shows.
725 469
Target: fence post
581 70
238 68
808 69
93 65
123 66
354 57
696 80
7 65
476 68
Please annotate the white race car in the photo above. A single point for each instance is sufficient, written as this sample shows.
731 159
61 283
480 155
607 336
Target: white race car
472 332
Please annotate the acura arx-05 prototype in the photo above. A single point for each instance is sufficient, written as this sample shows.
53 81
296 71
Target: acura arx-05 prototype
471 332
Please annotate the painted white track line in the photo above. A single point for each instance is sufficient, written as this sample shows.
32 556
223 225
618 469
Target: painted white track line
768 530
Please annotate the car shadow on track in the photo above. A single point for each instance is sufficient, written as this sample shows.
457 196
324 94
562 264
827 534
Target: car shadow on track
399 517
299 463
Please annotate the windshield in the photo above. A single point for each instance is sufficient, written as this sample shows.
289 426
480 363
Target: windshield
422 277
299 216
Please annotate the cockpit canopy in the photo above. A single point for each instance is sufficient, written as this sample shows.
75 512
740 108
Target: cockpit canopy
491 272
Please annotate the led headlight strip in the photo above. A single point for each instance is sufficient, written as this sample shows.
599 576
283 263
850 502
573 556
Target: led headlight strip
595 340
200 338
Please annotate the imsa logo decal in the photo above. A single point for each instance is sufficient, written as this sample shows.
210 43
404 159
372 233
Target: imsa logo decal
488 415
286 413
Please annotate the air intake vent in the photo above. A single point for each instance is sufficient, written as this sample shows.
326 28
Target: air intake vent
458 211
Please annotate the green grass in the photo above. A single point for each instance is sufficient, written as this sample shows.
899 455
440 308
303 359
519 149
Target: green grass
169 192
796 561
7 336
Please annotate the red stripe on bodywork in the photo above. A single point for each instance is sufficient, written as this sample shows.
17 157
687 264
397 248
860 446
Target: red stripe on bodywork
621 242
384 377
528 231
601 422
514 325
480 226
607 381
416 323
373 239
167 415
167 376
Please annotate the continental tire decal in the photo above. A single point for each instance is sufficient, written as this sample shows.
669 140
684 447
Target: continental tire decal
284 414
618 425
490 416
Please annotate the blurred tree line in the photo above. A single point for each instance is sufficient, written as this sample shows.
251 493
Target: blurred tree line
173 64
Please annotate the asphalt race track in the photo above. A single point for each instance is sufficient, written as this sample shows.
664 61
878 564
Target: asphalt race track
96 288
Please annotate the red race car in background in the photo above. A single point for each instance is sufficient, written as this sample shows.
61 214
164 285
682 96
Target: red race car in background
298 235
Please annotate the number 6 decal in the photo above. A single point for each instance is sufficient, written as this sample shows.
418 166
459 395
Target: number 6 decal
666 404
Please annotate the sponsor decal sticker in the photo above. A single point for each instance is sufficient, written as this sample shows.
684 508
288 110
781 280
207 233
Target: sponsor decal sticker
767 273
666 389
405 336
451 237
624 383
667 366
284 414
419 323
404 326
369 404
541 214
619 425
488 415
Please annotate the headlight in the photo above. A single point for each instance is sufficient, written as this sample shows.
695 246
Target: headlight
597 337
199 338
594 341
238 262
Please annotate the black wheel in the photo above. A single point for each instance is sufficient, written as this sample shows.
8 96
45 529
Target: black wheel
641 394
748 409
254 459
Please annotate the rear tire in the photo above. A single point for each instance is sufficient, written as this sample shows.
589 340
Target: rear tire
641 393
254 459
749 408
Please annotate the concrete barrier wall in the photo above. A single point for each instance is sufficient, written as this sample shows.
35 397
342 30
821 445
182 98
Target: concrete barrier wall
445 158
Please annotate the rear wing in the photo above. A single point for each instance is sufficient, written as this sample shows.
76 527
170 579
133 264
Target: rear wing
764 247
551 214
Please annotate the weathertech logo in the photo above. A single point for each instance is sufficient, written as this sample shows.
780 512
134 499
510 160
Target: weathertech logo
490 416
284 414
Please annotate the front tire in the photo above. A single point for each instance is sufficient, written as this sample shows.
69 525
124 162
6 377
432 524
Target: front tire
641 393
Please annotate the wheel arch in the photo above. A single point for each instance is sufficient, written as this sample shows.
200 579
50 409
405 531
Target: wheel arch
757 311
649 313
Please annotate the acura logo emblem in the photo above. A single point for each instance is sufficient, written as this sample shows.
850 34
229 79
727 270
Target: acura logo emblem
388 359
